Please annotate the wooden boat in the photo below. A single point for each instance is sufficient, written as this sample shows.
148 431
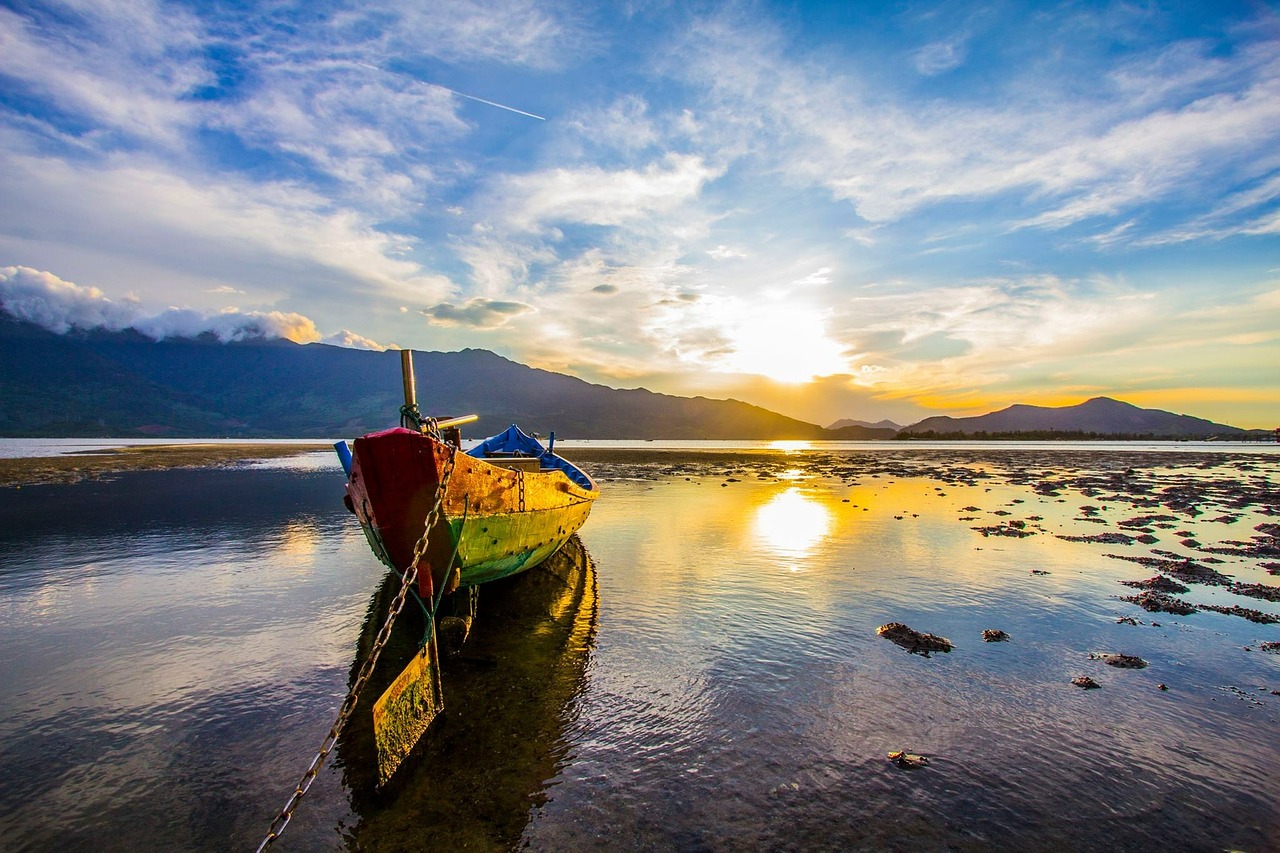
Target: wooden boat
460 519
509 503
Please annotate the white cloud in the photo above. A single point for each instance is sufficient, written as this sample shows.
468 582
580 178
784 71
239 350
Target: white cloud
1155 154
623 125
1068 152
510 32
373 131
940 56
350 340
228 325
974 334
230 227
598 196
42 298
48 301
817 278
129 69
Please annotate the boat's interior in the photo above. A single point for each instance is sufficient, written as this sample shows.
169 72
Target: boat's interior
515 449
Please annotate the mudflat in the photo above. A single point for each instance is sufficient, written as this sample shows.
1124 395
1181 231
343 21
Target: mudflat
72 467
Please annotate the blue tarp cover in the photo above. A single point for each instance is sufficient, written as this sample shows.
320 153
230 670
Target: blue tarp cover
513 441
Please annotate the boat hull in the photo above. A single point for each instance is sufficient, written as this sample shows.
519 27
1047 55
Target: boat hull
496 518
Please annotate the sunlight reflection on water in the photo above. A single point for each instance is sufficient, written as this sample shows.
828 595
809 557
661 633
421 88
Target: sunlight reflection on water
791 525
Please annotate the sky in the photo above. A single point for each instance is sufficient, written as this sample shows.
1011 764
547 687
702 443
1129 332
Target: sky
833 210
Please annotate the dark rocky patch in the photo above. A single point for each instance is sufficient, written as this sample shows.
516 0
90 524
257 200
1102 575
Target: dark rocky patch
1257 590
1159 602
1118 660
1145 520
1245 612
1109 538
1015 529
1159 583
916 642
1185 570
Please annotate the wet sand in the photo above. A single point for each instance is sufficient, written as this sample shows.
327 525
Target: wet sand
73 467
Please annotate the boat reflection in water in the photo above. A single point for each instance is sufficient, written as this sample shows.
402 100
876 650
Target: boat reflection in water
509 694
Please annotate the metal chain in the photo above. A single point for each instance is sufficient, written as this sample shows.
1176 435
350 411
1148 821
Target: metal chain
366 669
520 482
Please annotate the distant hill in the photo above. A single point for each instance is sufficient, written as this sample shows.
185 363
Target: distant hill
1099 417
879 425
124 384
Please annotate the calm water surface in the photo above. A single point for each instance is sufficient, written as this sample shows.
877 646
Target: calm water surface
173 646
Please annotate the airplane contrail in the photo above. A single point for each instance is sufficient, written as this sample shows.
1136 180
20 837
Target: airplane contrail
453 91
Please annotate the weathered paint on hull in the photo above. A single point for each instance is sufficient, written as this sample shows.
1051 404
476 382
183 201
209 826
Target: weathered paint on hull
492 547
499 521
497 546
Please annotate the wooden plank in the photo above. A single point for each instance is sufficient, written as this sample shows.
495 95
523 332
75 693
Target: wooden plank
405 710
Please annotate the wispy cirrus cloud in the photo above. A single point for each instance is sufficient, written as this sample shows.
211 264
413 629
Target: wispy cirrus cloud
522 33
1069 153
598 196
103 70
940 57
233 228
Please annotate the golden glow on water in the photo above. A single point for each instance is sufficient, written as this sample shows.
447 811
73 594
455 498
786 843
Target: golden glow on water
791 525
790 445
298 539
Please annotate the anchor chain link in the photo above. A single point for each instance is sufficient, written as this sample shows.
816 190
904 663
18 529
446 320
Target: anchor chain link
366 669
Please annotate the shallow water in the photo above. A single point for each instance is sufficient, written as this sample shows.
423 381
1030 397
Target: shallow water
173 646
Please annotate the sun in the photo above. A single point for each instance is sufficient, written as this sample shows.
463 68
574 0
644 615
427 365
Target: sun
787 344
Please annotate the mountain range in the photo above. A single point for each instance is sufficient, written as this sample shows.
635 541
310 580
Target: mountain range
102 383
848 422
84 383
1100 416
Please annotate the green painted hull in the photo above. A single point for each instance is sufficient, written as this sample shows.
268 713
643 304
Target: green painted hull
493 547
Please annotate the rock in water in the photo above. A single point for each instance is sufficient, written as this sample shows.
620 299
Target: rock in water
907 759
914 641
1119 660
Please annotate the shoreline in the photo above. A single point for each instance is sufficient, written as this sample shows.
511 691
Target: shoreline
65 468
88 465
